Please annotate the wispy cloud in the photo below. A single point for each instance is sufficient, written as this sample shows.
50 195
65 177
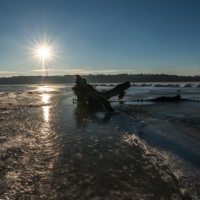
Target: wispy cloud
57 70
113 71
83 71
41 70
8 72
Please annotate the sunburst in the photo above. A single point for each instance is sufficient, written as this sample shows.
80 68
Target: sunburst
43 51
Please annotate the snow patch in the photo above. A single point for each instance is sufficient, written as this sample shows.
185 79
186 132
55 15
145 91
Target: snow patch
134 85
145 85
187 85
103 85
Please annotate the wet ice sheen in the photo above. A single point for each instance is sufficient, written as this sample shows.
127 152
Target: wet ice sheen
53 149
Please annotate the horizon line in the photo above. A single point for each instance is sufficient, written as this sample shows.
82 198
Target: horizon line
144 74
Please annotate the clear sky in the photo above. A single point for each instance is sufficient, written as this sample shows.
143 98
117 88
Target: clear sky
99 37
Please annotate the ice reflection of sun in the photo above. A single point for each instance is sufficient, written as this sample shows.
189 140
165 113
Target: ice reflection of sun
46 113
45 99
45 89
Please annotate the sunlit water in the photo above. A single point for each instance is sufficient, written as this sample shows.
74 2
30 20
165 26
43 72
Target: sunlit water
54 149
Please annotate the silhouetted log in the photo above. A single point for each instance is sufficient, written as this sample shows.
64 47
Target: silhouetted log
100 99
86 93
163 98
119 89
121 95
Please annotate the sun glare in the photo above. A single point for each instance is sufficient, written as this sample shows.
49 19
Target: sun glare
44 52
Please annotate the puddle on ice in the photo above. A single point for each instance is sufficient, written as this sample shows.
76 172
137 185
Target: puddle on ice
60 150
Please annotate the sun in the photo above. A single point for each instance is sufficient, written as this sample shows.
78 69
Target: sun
44 52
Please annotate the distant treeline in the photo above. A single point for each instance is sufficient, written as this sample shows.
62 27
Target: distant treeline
98 78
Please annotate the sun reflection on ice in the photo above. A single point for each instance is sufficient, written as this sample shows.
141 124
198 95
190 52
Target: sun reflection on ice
45 99
45 88
46 113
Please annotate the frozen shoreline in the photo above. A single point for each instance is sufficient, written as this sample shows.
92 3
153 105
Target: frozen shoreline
51 148
148 84
170 144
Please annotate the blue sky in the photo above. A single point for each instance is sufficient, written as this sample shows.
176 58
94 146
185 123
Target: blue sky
100 37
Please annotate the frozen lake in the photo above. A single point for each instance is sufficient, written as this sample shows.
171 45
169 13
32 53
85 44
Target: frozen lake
51 148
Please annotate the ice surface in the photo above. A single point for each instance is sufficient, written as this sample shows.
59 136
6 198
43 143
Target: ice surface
51 148
170 133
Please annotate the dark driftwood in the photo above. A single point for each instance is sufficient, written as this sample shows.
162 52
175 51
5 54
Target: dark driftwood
86 93
163 98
